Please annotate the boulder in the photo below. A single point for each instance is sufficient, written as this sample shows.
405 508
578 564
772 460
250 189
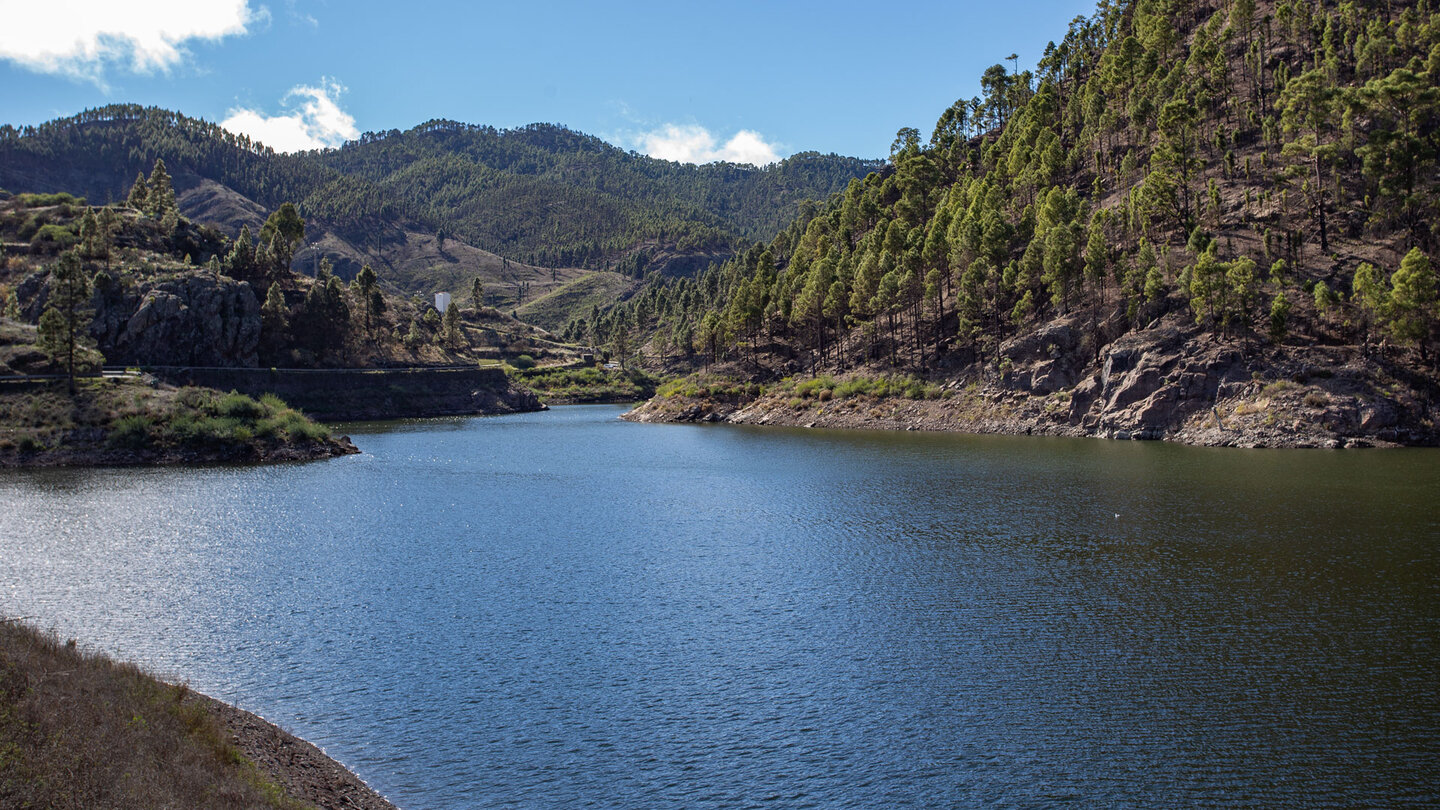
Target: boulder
1052 376
1050 342
1136 385
191 320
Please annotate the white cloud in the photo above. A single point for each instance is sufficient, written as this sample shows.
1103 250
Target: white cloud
81 38
692 143
316 123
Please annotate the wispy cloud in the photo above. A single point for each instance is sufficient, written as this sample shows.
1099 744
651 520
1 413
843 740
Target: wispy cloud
292 8
315 122
692 143
84 38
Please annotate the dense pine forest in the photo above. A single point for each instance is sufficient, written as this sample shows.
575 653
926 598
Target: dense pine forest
1235 174
1196 219
540 195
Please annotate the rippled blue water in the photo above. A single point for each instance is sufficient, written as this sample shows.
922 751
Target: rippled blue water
565 610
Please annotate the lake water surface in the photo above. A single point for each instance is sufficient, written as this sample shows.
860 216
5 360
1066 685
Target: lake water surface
566 610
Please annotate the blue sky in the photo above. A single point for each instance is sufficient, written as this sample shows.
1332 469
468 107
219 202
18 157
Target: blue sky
748 81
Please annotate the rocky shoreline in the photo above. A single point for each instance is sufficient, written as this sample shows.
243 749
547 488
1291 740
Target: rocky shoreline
1164 383
99 454
303 770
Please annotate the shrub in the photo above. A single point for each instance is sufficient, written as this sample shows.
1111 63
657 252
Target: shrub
53 239
43 200
293 424
813 387
523 362
131 432
677 388
238 406
301 428
192 397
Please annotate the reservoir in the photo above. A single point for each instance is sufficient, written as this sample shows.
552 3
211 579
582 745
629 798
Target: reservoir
566 610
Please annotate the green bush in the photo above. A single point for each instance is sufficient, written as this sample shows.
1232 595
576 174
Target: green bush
293 424
192 397
812 388
677 388
301 428
131 432
524 362
53 238
239 406
43 200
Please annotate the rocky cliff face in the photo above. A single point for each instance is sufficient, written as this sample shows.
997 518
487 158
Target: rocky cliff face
195 319
1166 381
192 318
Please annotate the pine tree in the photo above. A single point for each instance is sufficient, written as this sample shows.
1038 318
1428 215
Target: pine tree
138 193
240 262
65 324
160 194
366 284
1279 317
285 222
452 325
1369 291
1413 300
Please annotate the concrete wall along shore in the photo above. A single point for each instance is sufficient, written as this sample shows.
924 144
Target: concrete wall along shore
361 394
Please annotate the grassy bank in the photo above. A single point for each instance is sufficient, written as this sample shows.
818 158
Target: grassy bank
130 421
802 392
588 384
78 730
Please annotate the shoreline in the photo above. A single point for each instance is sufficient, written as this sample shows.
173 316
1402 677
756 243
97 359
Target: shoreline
1167 382
300 767
79 728
99 455
1248 420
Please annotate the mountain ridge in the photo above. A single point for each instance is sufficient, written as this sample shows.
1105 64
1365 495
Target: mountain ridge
542 196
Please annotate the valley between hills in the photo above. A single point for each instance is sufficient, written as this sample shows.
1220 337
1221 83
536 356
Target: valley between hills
1207 223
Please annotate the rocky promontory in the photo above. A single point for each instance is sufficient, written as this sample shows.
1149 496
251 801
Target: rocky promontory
1165 382
135 421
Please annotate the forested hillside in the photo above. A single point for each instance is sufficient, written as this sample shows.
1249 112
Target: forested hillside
135 283
1185 203
540 195
552 196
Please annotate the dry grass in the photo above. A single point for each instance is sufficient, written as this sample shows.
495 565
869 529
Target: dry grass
78 730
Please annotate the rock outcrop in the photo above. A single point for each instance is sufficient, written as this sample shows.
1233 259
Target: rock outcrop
1167 381
195 319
